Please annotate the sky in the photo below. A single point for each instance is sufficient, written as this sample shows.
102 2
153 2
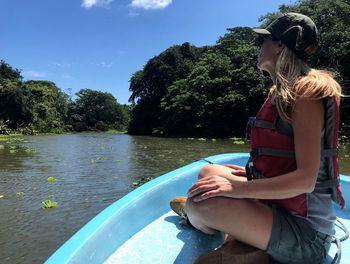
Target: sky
99 44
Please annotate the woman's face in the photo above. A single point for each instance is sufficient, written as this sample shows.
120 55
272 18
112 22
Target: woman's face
268 53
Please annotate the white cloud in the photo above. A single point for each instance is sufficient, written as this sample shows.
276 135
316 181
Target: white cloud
150 4
34 74
133 13
100 3
66 76
59 64
106 64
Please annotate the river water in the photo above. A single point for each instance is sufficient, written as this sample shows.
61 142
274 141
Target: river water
92 171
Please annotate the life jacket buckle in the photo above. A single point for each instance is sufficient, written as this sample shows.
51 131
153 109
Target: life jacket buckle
254 154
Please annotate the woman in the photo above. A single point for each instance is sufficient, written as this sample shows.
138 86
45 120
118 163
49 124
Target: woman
274 204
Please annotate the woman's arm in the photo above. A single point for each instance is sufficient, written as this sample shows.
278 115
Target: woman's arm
308 122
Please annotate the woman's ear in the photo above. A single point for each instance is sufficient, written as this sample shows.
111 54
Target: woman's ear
280 46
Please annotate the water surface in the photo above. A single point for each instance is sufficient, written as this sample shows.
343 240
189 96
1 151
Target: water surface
92 170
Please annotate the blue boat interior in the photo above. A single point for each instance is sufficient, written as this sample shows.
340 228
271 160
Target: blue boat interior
141 228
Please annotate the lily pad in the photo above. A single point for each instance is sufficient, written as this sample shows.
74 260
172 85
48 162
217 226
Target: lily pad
19 194
51 179
48 204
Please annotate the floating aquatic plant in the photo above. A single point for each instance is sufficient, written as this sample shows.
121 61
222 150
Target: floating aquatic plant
19 194
141 181
13 151
51 196
2 147
238 141
31 150
118 161
51 179
99 158
2 196
48 204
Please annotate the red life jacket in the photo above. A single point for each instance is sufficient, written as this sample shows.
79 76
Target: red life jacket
272 152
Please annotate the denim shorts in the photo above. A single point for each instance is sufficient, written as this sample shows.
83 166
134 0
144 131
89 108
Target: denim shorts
293 240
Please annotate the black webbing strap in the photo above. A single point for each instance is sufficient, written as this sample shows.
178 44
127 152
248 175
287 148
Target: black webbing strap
329 152
252 171
327 184
247 170
255 153
253 122
278 125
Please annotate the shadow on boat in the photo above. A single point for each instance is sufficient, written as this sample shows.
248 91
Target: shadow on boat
195 242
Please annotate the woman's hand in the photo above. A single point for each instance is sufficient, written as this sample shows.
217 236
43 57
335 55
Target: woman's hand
212 186
236 170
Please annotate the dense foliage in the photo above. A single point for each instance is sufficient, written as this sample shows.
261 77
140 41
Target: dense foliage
97 110
40 106
211 91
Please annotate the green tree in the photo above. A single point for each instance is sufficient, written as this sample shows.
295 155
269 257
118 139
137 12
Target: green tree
9 73
97 110
150 85
213 100
15 111
50 106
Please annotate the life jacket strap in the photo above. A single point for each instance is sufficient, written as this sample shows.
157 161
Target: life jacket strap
252 171
255 153
278 125
329 152
327 184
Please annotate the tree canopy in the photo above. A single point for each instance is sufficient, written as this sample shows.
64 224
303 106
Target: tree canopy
41 106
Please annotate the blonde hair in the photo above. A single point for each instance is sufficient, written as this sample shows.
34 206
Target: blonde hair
295 80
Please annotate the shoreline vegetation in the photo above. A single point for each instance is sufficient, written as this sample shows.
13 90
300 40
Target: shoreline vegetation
185 91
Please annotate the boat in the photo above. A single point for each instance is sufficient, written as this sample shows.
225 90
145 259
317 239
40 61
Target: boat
141 228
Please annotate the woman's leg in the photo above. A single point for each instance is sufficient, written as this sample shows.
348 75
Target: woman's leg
246 220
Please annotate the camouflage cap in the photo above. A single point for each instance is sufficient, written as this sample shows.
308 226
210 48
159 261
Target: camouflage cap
298 32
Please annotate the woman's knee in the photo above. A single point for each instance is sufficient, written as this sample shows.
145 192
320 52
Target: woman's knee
207 170
198 214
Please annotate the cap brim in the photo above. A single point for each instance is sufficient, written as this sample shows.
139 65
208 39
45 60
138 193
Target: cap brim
261 31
